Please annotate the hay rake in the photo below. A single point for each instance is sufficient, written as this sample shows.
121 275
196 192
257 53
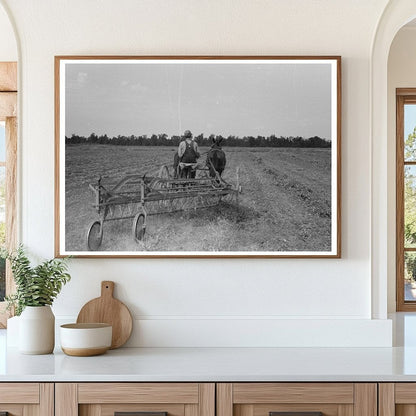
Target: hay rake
138 196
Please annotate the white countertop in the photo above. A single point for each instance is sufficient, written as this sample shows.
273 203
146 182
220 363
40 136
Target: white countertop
221 364
215 364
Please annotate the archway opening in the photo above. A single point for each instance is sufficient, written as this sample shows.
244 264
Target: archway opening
383 245
401 169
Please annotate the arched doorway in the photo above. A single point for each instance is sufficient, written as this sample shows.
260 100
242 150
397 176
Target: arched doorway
401 110
395 16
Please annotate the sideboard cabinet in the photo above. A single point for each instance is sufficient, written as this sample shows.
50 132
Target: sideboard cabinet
208 399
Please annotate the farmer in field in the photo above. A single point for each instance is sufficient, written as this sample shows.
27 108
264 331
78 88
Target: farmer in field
188 155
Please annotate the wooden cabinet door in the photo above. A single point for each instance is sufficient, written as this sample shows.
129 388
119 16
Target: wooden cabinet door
297 399
142 399
397 399
26 399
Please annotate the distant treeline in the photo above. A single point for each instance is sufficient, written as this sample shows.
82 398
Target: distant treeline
232 141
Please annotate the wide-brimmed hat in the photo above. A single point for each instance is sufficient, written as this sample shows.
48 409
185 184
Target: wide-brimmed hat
187 133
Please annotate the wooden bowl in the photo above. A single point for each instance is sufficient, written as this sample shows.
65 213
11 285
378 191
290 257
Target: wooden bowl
84 340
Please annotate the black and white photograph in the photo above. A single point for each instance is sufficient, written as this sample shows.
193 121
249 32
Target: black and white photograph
198 156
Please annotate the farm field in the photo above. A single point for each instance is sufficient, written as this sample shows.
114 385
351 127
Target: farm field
285 204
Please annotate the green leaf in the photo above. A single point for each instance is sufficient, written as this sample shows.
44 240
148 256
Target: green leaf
35 286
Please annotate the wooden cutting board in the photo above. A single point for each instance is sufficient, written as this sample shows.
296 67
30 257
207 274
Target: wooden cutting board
108 310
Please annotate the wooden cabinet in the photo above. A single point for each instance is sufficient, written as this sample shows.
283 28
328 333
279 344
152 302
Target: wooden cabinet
264 399
397 399
27 399
108 399
208 399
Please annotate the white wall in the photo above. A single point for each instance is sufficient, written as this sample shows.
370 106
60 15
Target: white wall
8 47
248 302
401 74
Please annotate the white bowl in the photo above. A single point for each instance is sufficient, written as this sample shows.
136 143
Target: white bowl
83 340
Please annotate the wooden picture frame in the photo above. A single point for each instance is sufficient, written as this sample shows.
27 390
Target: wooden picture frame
275 121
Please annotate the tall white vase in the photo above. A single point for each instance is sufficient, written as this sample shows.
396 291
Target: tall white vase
37 330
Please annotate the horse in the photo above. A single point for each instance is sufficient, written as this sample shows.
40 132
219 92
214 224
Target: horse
216 159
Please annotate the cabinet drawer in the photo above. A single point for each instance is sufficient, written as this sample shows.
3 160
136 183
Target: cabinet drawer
19 393
296 399
144 399
138 393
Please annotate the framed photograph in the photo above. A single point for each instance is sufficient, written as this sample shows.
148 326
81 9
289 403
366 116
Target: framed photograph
198 156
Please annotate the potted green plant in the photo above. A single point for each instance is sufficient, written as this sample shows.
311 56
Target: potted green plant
36 289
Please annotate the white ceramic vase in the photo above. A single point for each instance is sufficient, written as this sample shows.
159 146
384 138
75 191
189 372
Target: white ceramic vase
37 330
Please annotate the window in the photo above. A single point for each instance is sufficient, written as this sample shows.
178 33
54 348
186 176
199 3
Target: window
406 199
8 165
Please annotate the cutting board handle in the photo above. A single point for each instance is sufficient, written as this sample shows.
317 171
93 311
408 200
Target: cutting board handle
107 289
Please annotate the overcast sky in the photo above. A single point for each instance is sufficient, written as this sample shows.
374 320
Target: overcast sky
228 99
